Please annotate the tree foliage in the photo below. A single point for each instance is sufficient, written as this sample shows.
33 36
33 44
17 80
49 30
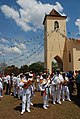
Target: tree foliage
37 67
24 69
12 69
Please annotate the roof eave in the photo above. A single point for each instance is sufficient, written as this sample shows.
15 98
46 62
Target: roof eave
52 16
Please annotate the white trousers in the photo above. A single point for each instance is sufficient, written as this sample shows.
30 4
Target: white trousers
20 92
45 100
25 97
56 93
65 91
46 97
15 90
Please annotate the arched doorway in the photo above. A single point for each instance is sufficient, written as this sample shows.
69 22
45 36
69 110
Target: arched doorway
57 63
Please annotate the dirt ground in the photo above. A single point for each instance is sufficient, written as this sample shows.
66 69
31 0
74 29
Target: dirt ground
10 108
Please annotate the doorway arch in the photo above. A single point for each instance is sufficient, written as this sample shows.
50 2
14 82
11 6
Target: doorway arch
57 62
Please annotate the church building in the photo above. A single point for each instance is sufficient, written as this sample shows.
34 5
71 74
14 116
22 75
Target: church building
65 51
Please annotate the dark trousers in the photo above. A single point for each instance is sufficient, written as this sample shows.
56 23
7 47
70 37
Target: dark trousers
8 89
78 90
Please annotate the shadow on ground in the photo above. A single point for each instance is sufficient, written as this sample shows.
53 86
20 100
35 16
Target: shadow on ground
76 100
38 105
18 108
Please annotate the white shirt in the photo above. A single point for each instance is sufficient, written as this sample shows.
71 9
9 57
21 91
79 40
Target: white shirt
1 86
7 79
57 79
27 90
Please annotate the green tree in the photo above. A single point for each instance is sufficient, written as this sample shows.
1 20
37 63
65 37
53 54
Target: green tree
24 69
12 69
37 67
54 66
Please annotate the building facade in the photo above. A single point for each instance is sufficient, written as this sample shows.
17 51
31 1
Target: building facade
56 44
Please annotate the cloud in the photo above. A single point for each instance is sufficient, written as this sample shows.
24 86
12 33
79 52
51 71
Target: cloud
31 14
36 57
15 50
58 7
4 40
9 12
20 46
68 19
77 23
13 14
5 49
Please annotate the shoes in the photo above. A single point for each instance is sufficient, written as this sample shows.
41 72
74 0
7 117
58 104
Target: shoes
63 100
59 102
31 104
69 100
54 103
28 110
47 105
44 107
10 93
22 112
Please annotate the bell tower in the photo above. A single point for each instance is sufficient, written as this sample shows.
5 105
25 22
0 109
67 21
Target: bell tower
55 39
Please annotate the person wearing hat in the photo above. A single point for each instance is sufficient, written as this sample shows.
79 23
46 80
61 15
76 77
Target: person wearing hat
14 80
57 85
8 84
31 75
65 89
44 87
26 96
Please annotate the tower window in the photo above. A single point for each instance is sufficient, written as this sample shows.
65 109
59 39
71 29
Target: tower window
56 25
79 59
69 57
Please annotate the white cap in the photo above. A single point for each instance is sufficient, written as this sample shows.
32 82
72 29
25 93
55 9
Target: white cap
30 74
41 77
30 79
38 76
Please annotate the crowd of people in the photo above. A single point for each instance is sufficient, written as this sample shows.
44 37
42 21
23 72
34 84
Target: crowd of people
58 86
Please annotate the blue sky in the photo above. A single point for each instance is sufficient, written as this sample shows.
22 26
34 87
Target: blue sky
21 29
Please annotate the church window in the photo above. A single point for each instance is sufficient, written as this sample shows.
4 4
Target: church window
79 59
69 57
56 25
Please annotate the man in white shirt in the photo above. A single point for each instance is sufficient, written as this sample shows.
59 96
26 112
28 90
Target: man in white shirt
8 84
26 96
56 87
